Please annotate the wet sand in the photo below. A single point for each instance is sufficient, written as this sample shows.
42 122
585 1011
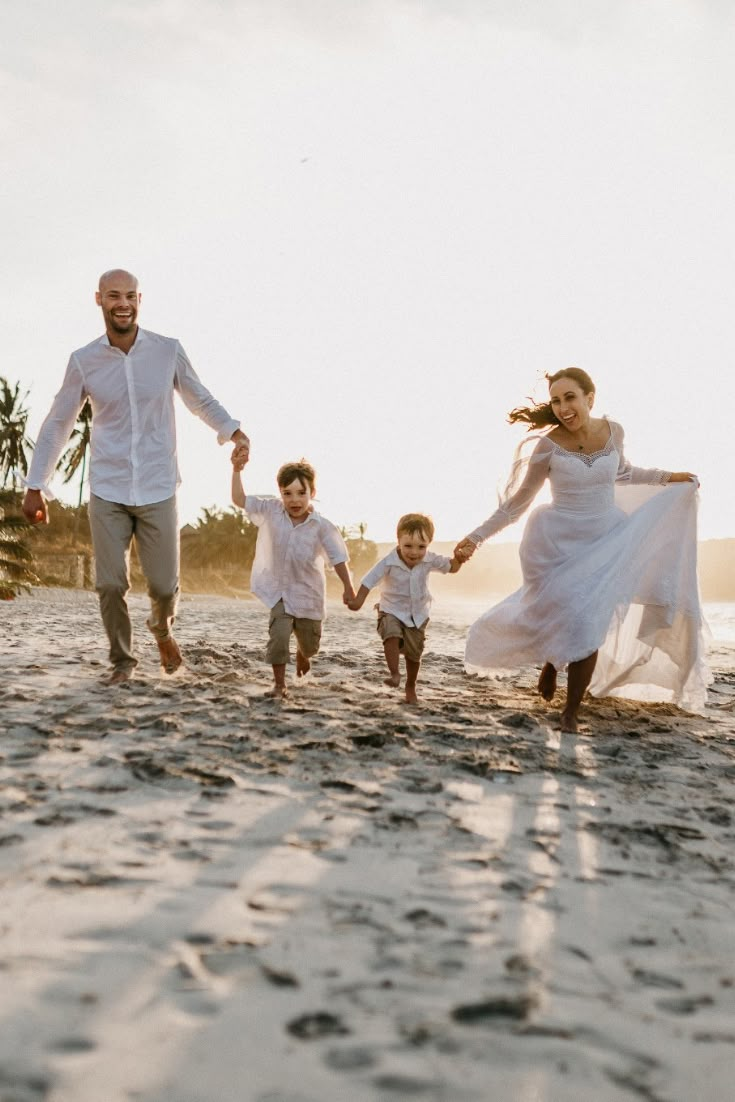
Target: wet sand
209 896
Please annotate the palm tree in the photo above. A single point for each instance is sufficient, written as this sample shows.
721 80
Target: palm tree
14 441
15 557
78 449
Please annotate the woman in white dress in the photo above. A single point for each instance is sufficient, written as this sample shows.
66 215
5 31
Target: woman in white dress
610 586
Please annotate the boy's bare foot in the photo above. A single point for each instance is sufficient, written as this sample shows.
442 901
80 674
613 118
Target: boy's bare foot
569 723
303 665
119 677
278 692
411 697
547 681
393 679
170 654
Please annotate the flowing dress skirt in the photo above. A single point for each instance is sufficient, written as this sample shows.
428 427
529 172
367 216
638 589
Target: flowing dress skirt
622 582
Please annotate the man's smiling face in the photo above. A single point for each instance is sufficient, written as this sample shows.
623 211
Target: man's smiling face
119 299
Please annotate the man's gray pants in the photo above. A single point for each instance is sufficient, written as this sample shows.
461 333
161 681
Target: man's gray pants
155 529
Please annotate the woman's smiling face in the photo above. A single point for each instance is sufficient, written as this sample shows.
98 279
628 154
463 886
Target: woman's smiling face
569 403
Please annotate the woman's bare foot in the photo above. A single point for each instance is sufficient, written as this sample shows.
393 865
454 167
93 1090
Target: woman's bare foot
303 665
393 679
569 723
170 654
411 697
278 692
547 682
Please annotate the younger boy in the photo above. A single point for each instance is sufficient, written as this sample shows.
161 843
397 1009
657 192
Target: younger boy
288 571
403 611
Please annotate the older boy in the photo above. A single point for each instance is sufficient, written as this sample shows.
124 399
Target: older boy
288 571
403 610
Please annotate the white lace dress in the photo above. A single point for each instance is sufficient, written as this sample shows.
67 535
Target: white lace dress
610 565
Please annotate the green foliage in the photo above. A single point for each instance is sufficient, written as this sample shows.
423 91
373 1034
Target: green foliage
68 529
15 555
219 538
14 442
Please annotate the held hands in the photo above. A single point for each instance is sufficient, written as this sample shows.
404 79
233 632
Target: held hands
241 451
240 456
348 596
357 600
464 550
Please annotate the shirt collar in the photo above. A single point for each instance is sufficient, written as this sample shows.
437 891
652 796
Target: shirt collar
394 559
313 515
140 337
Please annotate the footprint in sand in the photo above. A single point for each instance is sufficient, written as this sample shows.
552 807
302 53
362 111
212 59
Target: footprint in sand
495 1010
311 1027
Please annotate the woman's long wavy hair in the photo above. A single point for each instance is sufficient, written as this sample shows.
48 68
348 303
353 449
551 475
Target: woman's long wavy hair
538 417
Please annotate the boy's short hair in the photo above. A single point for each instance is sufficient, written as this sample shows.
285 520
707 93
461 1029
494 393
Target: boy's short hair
300 470
413 524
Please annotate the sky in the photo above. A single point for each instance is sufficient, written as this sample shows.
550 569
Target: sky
375 224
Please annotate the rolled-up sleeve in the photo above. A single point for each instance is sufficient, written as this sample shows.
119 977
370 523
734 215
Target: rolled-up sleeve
333 545
56 429
199 401
373 576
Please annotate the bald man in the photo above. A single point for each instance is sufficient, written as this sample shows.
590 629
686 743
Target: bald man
129 375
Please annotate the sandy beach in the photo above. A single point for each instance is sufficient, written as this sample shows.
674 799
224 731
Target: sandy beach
209 896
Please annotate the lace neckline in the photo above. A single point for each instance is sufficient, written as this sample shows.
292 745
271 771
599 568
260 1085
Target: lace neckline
586 457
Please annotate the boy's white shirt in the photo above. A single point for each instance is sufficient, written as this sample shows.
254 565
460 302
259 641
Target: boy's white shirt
404 590
289 557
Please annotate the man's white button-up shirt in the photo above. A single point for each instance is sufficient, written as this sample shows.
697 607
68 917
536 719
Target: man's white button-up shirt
404 590
133 445
289 558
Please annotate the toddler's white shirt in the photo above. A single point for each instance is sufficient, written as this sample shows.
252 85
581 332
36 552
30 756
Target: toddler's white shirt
289 558
404 590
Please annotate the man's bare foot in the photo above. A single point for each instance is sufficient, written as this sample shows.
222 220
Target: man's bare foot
393 679
569 724
278 692
119 677
547 682
411 697
303 665
170 654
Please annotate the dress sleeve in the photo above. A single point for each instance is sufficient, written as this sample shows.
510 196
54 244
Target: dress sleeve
527 477
56 429
647 476
197 398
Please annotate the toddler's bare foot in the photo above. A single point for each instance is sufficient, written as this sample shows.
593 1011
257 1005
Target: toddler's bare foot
303 665
278 692
393 679
547 682
170 654
569 723
411 697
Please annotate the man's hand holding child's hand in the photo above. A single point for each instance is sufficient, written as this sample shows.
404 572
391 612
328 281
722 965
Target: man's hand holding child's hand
239 457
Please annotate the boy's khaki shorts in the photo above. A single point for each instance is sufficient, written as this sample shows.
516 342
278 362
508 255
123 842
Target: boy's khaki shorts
280 627
412 639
